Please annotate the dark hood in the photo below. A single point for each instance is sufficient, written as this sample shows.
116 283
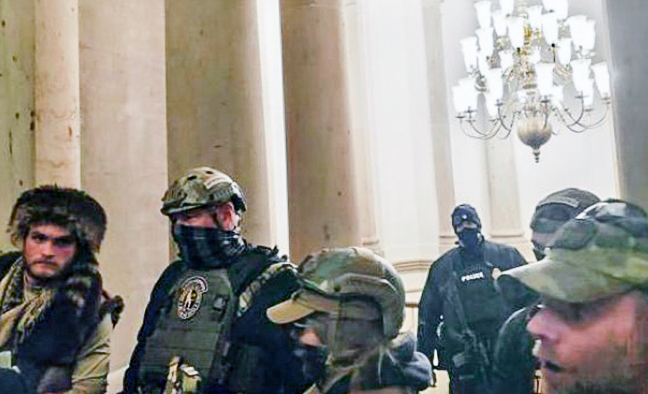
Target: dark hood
400 365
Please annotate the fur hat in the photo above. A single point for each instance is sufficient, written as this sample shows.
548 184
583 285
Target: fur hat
66 207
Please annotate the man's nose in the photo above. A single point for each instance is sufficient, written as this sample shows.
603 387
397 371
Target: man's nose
47 249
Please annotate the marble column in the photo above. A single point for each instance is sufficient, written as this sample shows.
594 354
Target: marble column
124 149
17 122
325 173
214 98
56 90
362 141
438 99
506 222
628 34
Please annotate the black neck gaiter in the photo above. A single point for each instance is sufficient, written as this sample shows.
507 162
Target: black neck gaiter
206 247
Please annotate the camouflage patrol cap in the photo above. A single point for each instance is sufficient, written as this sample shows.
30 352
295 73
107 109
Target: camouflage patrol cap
202 187
332 275
601 252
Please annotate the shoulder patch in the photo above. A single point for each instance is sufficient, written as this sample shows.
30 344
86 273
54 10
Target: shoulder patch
190 296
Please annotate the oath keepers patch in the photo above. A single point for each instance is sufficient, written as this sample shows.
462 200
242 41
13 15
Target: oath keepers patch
190 296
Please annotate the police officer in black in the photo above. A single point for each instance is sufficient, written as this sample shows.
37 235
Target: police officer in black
205 329
461 310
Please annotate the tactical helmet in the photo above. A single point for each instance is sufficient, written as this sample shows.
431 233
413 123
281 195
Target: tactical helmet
65 207
331 277
559 207
202 187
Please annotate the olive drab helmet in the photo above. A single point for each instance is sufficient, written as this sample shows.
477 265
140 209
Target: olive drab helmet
202 187
332 276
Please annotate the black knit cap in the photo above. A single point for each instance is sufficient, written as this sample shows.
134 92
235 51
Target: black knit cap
465 213
559 207
66 207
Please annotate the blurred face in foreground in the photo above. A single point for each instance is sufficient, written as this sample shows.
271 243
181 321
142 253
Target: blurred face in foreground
595 347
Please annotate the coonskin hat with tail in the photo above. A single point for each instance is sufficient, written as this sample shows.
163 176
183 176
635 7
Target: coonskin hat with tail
66 207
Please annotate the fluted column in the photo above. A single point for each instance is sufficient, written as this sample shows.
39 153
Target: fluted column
506 222
362 141
628 32
214 98
323 172
438 99
16 106
58 151
124 149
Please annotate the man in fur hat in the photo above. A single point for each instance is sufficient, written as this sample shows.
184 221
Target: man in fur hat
54 329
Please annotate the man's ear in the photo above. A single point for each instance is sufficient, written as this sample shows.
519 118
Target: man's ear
227 217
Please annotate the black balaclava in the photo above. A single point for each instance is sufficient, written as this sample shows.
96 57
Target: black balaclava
469 239
207 247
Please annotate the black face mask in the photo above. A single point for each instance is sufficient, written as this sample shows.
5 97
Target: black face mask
313 361
470 239
206 247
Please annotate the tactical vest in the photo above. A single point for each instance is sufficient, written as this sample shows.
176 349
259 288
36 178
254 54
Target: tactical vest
481 301
483 305
193 325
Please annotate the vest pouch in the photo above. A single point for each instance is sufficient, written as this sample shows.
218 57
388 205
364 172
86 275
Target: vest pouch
195 327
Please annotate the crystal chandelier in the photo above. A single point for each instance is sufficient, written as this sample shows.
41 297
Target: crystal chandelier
522 61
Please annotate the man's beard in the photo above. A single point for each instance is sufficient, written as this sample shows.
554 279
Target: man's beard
618 376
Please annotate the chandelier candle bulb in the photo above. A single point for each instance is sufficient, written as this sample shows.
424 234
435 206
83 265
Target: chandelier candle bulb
507 6
491 105
485 36
535 16
544 75
588 94
550 27
589 35
483 9
458 100
506 59
482 62
499 22
561 8
495 83
602 76
564 51
580 73
516 31
469 93
577 29
469 49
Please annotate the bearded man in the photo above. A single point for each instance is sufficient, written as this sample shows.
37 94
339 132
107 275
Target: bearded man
591 330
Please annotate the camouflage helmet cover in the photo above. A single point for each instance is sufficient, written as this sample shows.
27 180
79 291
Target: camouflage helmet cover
344 272
202 187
